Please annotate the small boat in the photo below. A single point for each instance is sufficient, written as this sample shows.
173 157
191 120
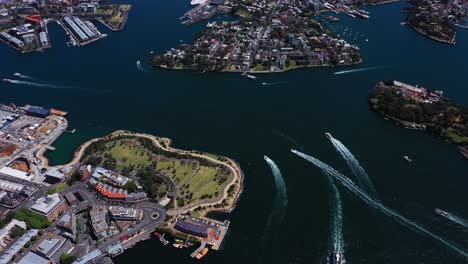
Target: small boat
328 135
202 253
251 77
408 159
17 74
178 245
367 40
8 80
333 19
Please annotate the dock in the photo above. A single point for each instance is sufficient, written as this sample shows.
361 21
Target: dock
199 249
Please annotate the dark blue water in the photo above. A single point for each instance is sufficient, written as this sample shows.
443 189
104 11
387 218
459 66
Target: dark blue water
240 118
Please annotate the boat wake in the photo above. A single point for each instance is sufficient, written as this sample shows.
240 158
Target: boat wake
271 84
346 182
337 218
281 202
22 76
358 70
140 67
356 168
453 218
49 85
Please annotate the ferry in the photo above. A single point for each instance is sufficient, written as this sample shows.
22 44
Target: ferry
202 253
408 159
8 80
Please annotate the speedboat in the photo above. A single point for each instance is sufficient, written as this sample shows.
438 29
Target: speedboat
408 159
328 135
336 258
441 212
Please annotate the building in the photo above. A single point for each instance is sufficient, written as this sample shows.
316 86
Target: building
8 254
111 192
71 199
85 172
50 206
54 175
51 247
33 258
67 225
5 231
199 230
119 213
10 172
98 217
88 257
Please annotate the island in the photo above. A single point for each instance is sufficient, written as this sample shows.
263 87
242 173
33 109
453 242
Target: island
23 25
116 191
421 109
271 36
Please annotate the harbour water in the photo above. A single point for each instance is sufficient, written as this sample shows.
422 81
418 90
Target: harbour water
103 90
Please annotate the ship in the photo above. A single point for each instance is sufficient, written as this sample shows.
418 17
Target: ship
198 2
8 80
336 257
408 159
441 212
328 135
202 253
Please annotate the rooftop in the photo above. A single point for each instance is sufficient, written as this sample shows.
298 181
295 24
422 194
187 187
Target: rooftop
47 203
49 244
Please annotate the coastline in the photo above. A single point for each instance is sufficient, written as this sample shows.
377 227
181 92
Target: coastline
451 42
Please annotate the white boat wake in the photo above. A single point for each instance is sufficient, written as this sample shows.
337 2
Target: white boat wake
346 182
281 202
49 85
353 164
358 70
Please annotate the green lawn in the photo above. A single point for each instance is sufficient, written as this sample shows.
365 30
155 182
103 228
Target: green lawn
185 172
205 174
127 155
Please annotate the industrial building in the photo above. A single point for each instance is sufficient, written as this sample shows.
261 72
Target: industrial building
76 30
10 172
43 39
12 40
50 206
84 27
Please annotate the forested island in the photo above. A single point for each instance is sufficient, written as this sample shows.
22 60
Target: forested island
419 108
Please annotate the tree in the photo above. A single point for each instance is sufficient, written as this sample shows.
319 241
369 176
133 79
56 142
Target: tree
16 231
130 186
66 258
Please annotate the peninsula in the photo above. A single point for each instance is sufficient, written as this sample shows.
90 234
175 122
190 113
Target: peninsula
116 191
418 108
271 36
